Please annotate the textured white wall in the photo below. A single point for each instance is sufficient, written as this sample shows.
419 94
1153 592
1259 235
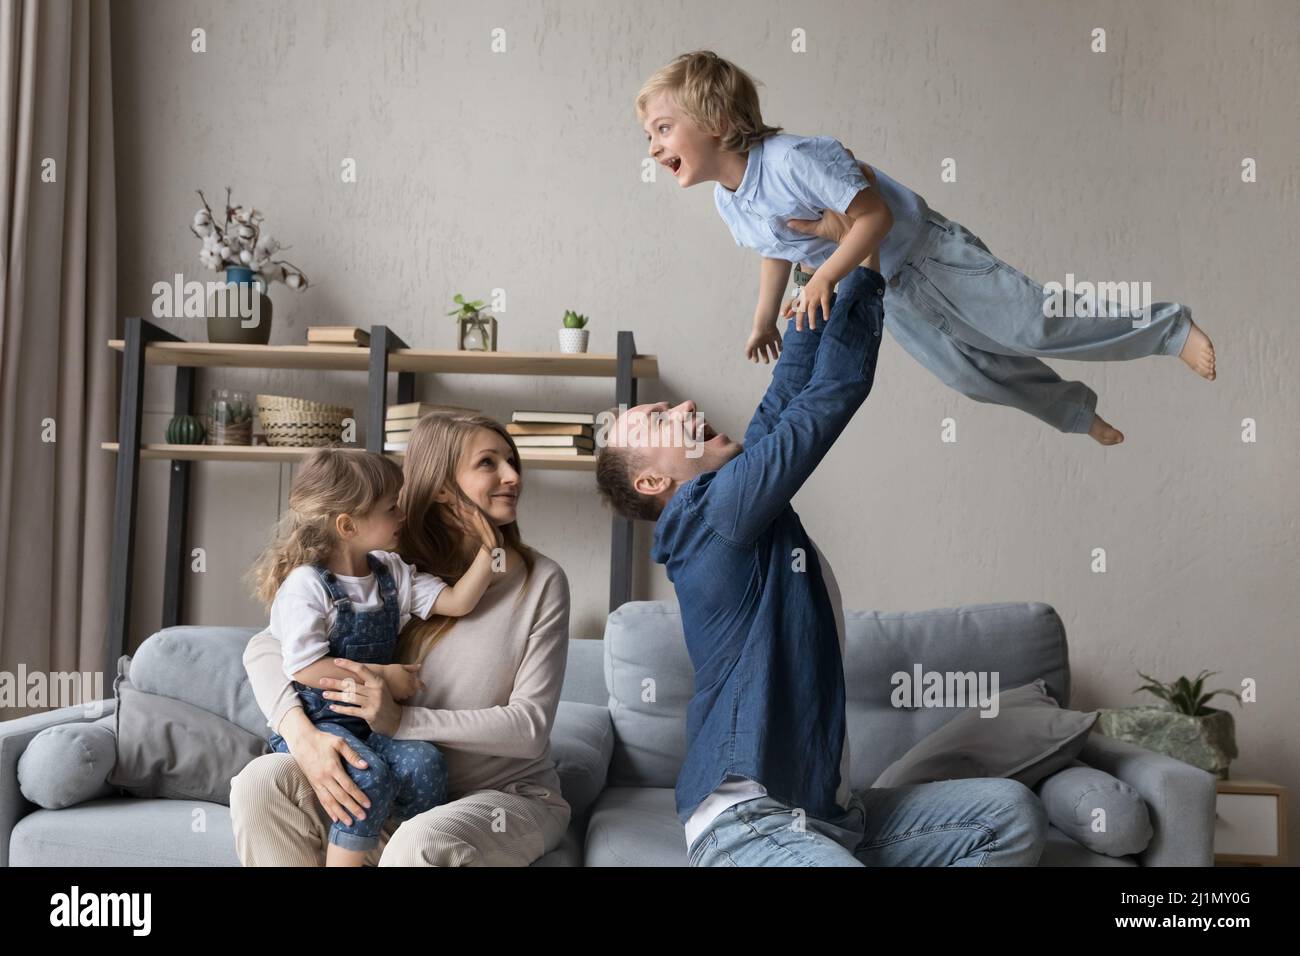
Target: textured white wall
521 171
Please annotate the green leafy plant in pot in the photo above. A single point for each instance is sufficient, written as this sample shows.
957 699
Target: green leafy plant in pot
475 332
1182 726
573 337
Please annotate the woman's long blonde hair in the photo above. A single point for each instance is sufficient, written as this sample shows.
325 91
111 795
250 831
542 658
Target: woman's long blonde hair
329 482
433 538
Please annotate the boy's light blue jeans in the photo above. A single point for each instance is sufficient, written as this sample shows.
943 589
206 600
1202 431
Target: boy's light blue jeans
980 822
981 326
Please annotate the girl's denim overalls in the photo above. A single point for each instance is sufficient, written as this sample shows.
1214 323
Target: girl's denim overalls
402 777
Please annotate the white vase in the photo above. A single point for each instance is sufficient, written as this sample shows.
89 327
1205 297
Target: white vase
573 340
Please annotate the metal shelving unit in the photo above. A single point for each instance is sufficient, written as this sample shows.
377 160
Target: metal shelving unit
147 344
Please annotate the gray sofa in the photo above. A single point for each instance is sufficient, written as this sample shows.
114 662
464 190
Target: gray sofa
618 741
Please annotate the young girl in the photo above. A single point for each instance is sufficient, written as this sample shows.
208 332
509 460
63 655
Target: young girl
967 316
337 590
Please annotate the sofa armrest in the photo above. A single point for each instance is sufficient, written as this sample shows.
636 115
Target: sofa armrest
1180 798
15 735
582 745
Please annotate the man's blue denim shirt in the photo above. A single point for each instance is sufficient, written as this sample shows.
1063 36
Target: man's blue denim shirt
769 681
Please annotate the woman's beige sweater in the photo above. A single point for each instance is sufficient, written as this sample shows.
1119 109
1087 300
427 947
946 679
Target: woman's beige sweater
492 682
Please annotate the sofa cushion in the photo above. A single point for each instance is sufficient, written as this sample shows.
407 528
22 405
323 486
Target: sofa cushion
1096 810
1060 850
1029 738
203 666
582 742
568 853
169 748
650 681
635 826
124 831
68 764
1020 641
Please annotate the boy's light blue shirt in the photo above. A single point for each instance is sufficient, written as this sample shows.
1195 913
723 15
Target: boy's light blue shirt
797 177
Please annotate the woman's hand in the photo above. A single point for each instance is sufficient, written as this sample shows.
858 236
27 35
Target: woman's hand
365 696
320 756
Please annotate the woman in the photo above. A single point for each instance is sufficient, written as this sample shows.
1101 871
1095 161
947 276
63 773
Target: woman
491 686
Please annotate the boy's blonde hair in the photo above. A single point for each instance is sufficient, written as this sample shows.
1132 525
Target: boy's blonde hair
717 95
329 482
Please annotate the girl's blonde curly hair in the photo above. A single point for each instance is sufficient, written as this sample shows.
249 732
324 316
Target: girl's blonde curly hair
717 95
329 482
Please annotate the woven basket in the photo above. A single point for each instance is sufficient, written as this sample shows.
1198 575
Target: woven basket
299 423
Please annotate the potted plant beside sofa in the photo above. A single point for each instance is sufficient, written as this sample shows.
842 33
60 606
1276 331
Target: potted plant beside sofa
1182 726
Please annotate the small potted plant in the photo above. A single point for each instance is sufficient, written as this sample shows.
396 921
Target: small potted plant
573 337
238 246
1182 726
475 331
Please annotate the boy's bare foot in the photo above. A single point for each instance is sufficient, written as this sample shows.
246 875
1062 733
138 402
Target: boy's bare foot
1198 353
1102 431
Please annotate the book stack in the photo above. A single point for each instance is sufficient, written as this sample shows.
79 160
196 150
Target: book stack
337 335
554 433
400 419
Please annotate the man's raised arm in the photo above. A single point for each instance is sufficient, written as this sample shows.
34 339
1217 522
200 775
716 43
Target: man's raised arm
791 374
748 492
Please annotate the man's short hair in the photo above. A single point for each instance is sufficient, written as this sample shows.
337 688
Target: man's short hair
615 470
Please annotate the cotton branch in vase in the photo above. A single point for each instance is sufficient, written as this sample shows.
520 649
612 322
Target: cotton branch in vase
238 240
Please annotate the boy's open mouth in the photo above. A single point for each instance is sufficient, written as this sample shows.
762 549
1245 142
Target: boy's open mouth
675 164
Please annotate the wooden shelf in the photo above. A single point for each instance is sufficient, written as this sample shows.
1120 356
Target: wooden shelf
147 344
535 458
357 359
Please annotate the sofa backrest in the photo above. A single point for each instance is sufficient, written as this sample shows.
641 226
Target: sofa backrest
584 674
203 665
649 677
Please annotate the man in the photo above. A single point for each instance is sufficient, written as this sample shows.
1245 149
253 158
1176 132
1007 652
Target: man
764 782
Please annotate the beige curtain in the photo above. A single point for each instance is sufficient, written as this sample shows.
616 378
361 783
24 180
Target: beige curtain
58 296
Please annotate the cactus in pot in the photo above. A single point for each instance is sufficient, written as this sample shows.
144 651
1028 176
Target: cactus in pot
573 337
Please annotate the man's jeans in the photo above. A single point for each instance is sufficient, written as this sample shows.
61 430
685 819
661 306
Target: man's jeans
981 326
980 822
